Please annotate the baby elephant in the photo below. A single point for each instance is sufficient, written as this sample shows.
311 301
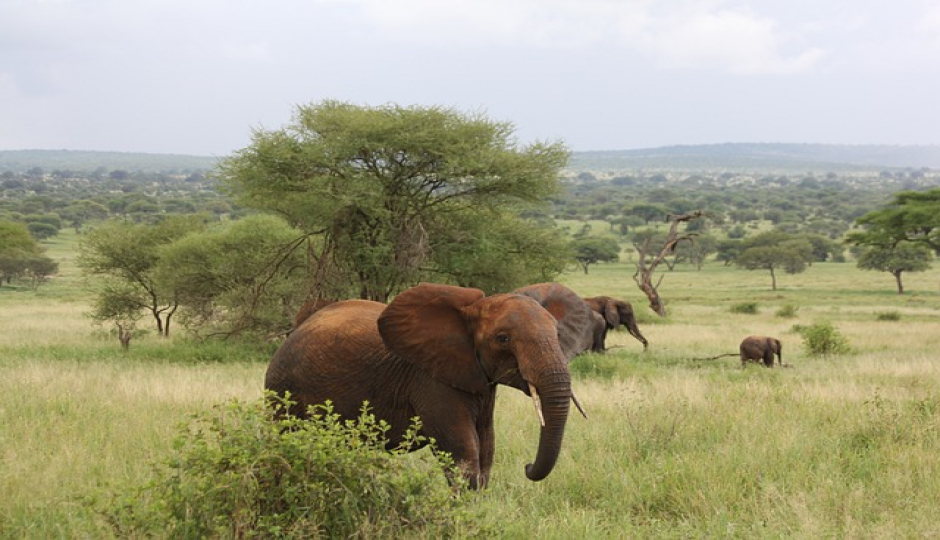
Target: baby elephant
761 349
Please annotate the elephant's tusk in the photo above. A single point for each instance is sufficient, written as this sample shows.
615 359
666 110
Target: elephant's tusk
578 405
538 404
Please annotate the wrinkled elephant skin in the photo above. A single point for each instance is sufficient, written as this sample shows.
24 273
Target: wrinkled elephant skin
577 324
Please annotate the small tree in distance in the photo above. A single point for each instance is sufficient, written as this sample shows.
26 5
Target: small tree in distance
126 254
775 250
897 259
590 250
118 304
912 216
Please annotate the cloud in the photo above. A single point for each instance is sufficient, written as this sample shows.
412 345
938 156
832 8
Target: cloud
929 27
683 35
716 38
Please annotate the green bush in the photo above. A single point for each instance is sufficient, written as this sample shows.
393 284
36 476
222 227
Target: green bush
888 316
748 308
823 339
241 471
787 312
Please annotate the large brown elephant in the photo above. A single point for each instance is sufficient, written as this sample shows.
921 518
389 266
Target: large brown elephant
437 352
614 313
577 324
761 349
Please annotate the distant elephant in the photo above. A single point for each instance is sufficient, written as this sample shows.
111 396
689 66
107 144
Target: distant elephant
614 313
437 352
761 348
577 324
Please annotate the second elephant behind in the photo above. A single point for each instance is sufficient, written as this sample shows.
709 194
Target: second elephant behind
583 323
615 313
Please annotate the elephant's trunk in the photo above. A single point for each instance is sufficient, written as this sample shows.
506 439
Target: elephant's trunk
554 392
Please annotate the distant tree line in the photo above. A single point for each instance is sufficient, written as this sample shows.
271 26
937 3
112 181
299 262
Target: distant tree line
47 202
352 201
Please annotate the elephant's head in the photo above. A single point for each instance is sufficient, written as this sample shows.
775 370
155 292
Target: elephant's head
777 347
471 342
574 316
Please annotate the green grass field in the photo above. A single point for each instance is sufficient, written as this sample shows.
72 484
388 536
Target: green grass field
675 446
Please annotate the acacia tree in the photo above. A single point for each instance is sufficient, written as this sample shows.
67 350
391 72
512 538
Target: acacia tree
236 277
775 250
912 216
696 252
21 255
17 245
379 185
897 259
119 304
126 254
499 254
590 250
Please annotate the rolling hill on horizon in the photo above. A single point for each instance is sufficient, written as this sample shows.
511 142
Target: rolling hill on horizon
762 156
705 157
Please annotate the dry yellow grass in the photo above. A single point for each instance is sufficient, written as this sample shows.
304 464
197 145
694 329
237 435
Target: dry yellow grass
35 322
839 447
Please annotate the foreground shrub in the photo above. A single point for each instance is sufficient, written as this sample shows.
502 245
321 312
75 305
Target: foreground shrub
747 308
239 472
823 339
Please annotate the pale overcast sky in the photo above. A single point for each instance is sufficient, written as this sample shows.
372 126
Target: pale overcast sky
196 76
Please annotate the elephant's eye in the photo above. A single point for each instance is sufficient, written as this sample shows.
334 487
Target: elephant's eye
502 338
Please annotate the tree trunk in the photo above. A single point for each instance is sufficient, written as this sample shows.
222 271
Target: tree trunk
773 279
156 315
897 278
644 270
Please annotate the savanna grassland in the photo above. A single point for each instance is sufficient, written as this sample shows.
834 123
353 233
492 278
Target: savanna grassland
676 445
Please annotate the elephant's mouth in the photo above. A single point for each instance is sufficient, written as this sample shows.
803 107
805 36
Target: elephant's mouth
515 380
534 394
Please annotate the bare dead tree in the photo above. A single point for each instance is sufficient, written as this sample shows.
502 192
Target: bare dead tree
649 258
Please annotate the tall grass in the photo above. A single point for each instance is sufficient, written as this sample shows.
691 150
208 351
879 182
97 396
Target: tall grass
675 446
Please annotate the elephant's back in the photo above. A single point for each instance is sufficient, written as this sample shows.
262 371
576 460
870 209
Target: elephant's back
326 353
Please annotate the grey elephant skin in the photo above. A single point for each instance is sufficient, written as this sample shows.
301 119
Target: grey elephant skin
761 349
437 352
577 324
613 314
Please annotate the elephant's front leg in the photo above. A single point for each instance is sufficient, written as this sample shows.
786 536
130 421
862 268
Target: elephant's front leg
487 437
453 425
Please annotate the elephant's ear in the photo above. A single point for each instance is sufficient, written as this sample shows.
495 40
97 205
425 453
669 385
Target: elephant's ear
425 325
